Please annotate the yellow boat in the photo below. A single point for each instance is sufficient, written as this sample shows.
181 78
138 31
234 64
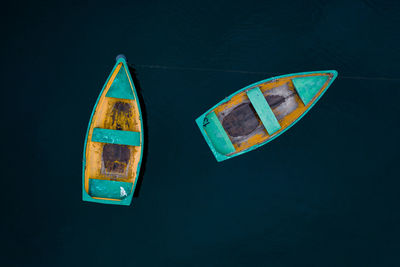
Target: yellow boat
260 112
114 141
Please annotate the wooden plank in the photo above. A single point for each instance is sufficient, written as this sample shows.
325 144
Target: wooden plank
263 110
109 189
217 135
116 137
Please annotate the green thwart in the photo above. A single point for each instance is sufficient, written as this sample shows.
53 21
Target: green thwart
263 110
116 137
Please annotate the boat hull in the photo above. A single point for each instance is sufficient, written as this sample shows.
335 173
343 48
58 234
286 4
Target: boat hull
303 97
113 146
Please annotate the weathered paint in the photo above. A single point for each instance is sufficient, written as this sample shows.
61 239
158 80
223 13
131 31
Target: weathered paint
217 134
266 86
113 162
308 87
263 110
116 137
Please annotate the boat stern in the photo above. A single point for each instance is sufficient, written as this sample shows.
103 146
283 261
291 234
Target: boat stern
108 192
217 143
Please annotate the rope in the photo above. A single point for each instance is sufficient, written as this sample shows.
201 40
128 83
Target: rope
254 72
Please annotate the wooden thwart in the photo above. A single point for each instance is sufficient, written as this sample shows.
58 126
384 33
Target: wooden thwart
263 110
109 189
116 137
217 134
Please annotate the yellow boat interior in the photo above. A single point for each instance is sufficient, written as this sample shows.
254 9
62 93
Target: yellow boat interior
114 140
288 98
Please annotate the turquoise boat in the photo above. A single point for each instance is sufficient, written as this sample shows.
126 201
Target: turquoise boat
260 112
113 147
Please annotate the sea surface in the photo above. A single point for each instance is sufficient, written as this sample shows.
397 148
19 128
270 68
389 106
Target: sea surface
325 193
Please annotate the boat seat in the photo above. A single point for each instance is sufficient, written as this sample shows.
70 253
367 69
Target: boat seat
217 135
116 137
263 110
109 189
308 87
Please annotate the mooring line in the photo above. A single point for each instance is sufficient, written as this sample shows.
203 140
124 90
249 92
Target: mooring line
252 72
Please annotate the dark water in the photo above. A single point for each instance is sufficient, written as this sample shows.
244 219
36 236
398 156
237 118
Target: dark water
326 193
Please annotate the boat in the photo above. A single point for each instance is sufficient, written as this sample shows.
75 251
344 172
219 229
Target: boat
114 141
260 112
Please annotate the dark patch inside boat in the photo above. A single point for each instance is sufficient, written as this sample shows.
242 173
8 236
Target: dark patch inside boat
121 111
115 158
275 100
241 120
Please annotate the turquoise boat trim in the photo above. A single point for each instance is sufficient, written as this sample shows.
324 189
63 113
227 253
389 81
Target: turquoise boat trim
116 137
109 189
308 87
126 201
217 134
263 110
121 86
218 156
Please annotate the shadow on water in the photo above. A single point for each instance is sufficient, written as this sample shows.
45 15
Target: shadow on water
145 129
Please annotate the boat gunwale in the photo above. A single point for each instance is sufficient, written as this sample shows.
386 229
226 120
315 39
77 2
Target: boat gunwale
128 199
220 157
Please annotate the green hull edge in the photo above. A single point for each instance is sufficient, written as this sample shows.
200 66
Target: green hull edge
128 199
219 157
